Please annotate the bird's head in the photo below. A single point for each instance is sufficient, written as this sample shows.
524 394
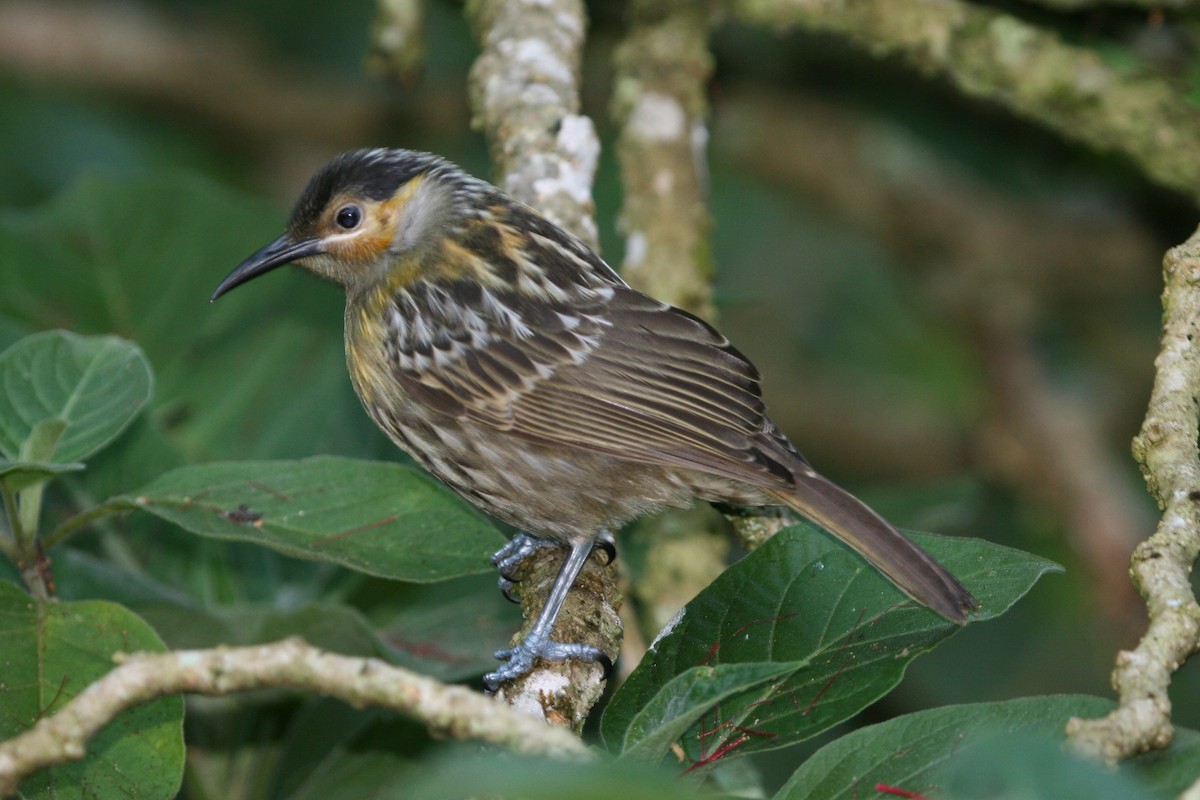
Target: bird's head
359 213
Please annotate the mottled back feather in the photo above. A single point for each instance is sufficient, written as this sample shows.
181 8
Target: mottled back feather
601 368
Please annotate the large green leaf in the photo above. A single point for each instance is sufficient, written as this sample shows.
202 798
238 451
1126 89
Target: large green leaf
1011 749
51 652
63 396
445 630
259 374
689 696
804 601
376 517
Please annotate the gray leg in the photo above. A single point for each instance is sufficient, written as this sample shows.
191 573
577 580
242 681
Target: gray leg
520 659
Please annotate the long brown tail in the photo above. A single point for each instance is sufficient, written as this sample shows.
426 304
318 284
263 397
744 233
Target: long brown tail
891 552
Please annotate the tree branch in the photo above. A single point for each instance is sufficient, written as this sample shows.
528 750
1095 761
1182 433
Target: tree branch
452 711
1167 450
397 40
662 68
992 55
525 96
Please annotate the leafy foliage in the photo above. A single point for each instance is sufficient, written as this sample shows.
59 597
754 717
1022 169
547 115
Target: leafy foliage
52 651
65 396
1006 749
373 558
378 518
794 638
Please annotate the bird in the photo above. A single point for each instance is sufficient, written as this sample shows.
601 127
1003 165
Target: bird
515 365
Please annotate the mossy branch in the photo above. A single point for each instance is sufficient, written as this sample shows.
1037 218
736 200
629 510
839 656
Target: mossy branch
1167 450
452 711
659 102
525 96
991 55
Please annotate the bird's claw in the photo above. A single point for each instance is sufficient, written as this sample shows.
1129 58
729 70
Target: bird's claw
520 660
537 645
607 542
508 559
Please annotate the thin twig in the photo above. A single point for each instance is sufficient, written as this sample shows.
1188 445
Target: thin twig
452 711
992 55
1166 448
81 520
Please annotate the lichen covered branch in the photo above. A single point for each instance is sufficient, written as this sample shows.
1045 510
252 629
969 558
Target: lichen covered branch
525 96
662 68
992 55
1167 450
452 711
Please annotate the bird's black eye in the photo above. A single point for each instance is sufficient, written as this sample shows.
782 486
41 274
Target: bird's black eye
348 217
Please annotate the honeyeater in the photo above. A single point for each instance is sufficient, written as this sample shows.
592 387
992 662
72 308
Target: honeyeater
515 365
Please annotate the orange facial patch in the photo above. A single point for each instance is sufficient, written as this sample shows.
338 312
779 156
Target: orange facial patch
374 236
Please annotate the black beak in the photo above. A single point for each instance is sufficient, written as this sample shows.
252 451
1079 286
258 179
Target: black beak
279 252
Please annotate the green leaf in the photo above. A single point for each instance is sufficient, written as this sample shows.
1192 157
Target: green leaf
354 775
1032 764
446 630
686 698
19 474
1173 770
380 518
330 626
459 773
260 374
65 396
51 653
805 601
1010 749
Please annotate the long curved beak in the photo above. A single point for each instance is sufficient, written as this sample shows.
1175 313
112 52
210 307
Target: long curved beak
279 252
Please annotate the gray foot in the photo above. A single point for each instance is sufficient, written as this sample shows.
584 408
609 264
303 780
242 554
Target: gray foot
508 559
520 660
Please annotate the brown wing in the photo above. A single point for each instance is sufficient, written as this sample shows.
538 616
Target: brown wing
600 368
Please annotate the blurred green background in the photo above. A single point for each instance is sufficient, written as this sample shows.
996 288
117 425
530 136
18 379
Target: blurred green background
956 312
